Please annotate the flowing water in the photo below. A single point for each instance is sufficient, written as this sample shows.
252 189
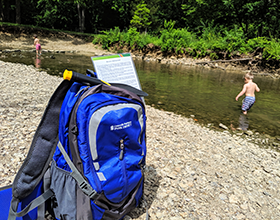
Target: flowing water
206 95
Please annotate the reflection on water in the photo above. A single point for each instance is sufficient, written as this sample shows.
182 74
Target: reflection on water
209 95
37 62
243 122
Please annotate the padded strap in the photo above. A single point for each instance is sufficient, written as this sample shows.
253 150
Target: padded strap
83 184
42 147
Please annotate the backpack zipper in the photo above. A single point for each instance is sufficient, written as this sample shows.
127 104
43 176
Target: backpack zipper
122 148
123 166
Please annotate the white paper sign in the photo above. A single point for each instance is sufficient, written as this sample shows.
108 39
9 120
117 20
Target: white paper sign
116 68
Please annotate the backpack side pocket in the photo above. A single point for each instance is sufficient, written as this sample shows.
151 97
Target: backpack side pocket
64 187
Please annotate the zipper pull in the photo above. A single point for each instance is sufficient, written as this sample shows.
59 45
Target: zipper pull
81 90
121 147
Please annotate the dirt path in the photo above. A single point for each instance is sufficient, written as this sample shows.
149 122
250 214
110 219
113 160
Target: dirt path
66 43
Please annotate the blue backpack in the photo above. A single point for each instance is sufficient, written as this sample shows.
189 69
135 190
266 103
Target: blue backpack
87 156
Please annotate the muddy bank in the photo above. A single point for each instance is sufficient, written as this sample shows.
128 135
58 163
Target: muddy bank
253 62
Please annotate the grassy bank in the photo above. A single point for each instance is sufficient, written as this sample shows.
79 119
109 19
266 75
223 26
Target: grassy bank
212 42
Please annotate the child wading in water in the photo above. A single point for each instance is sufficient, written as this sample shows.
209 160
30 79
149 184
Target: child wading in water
37 45
249 89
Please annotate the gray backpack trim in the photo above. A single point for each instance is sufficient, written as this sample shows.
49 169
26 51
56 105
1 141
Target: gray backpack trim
72 124
38 202
83 184
97 117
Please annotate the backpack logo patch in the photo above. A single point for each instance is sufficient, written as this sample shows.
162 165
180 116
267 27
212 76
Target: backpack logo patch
121 126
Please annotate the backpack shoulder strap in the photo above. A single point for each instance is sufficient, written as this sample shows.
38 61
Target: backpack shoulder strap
40 154
42 146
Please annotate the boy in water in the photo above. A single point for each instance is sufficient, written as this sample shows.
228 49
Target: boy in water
249 89
37 45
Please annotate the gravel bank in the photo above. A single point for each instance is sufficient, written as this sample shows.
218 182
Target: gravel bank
192 172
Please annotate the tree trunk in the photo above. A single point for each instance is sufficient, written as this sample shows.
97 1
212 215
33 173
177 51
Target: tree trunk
83 20
18 16
81 14
1 10
7 10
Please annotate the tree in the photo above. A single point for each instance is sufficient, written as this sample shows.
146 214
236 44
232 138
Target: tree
81 7
56 14
197 12
170 10
141 17
18 16
257 17
1 10
123 9
6 7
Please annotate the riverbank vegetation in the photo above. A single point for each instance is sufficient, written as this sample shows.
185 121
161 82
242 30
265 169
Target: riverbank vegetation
211 41
218 29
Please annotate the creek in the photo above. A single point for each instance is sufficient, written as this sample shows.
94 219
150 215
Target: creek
206 95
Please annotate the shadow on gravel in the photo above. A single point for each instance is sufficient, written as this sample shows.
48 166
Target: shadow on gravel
151 186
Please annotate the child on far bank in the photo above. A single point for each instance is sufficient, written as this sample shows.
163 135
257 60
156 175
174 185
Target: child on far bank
37 45
249 89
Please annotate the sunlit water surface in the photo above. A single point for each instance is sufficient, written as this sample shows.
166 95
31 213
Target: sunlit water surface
206 95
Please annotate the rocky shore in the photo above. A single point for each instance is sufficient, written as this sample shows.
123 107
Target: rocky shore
226 65
192 172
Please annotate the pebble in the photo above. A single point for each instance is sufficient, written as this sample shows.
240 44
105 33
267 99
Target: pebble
192 172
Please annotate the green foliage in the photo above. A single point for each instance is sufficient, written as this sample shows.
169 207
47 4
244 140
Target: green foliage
235 40
108 38
141 16
258 18
272 50
213 56
54 13
120 51
230 27
211 41
258 42
136 40
130 38
169 25
176 39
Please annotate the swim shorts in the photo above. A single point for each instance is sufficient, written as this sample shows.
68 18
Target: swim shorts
38 46
247 103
